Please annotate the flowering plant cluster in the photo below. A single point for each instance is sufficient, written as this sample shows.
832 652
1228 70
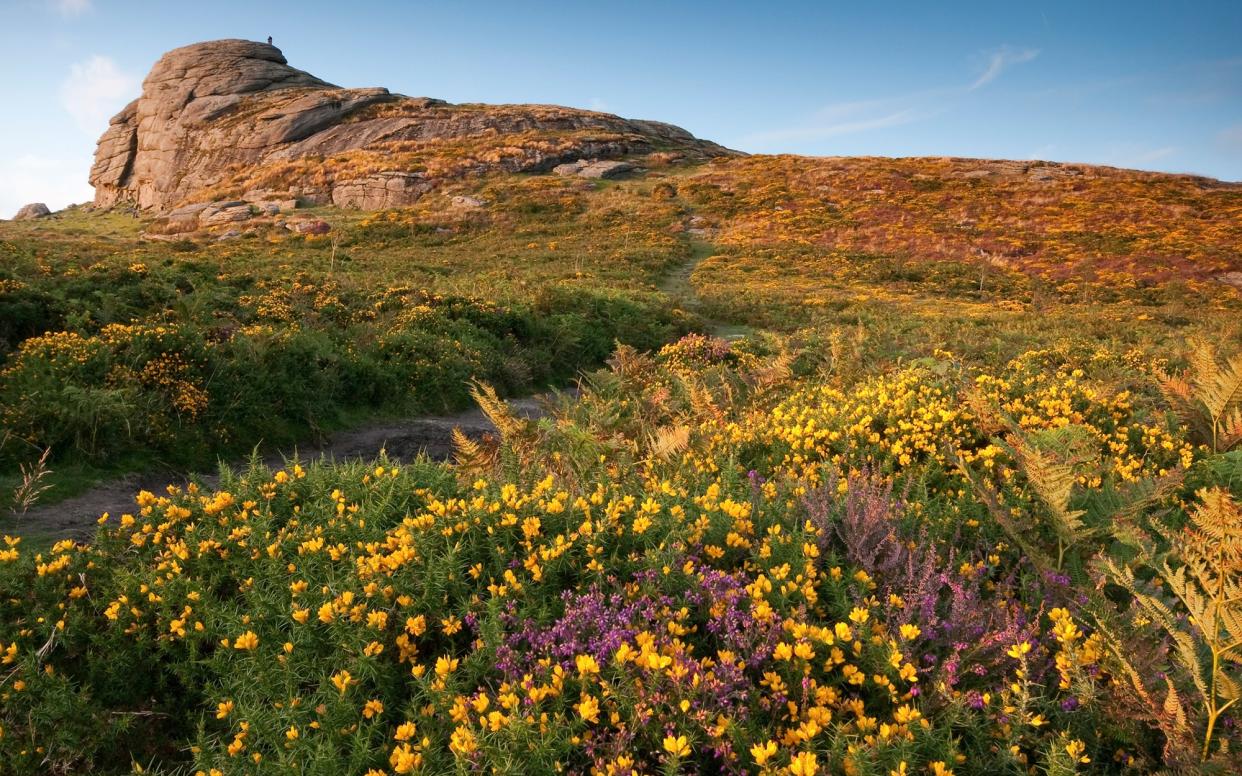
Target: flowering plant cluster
715 583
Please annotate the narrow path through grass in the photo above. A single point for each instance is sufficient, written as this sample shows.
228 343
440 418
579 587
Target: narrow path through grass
402 439
680 288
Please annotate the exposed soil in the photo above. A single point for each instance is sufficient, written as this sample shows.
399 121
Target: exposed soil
76 517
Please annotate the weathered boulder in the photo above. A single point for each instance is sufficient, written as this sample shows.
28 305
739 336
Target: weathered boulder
596 168
232 119
32 211
267 195
1231 279
605 169
309 226
569 168
462 202
184 219
221 213
380 190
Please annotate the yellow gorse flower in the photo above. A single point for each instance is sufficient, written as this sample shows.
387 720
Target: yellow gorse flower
677 746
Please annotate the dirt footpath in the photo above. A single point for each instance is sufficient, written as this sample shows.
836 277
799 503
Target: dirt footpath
76 517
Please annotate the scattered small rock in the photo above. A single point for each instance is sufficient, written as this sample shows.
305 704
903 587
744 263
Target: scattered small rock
698 226
605 169
1231 279
467 203
32 211
224 213
231 234
309 226
569 168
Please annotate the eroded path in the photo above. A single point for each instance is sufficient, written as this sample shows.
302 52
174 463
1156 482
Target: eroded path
678 285
402 440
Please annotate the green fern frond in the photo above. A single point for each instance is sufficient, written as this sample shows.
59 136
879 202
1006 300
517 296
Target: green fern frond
1001 514
1052 479
1203 573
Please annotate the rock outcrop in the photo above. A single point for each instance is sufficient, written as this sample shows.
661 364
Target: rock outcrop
219 119
584 168
32 211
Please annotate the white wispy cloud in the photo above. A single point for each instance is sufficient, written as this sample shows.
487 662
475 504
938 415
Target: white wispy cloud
821 131
845 118
1138 155
33 178
94 91
1001 60
71 8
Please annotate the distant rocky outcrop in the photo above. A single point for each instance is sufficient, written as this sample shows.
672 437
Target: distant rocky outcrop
32 211
585 168
219 119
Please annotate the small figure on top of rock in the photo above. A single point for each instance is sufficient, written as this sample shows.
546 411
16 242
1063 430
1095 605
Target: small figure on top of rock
269 40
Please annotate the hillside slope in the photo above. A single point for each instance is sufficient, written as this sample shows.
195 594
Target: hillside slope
815 232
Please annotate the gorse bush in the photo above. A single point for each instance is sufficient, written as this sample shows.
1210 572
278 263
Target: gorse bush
703 563
275 337
185 394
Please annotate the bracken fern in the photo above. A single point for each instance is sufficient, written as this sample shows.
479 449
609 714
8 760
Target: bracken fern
1208 397
1203 571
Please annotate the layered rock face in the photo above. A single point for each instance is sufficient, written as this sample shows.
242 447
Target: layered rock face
218 119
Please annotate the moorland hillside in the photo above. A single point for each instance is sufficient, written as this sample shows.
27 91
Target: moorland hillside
873 466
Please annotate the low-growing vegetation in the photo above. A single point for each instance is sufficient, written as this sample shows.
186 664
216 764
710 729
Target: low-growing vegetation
117 349
930 515
701 565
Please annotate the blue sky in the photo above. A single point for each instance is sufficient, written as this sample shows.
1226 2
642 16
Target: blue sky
1152 85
